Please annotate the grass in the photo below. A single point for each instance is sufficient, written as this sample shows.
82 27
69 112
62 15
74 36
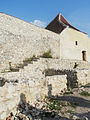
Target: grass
73 104
68 92
29 59
69 111
47 55
58 105
84 93
55 104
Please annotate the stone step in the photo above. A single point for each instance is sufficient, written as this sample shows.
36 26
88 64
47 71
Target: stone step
14 69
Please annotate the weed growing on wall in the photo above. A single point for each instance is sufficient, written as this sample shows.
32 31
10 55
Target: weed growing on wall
47 55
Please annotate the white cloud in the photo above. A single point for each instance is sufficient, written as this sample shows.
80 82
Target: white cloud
39 23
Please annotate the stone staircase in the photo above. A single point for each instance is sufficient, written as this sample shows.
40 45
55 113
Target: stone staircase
25 63
61 64
36 69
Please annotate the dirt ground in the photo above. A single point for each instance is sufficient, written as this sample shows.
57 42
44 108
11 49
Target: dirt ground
70 105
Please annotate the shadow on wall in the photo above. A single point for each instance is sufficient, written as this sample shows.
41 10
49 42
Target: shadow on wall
2 82
71 76
50 90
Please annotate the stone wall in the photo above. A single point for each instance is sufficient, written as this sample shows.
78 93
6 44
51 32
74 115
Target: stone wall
59 84
83 76
34 83
20 40
38 69
11 93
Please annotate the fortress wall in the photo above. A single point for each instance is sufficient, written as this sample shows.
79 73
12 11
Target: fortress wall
33 84
12 94
83 77
51 67
20 40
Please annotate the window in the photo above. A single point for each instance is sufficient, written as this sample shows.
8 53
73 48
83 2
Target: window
76 43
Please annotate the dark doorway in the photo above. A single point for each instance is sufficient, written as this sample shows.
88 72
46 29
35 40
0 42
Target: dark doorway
84 55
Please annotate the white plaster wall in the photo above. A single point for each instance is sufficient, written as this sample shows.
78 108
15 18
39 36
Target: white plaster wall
68 49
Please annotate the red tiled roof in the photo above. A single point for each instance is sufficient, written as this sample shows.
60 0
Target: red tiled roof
60 19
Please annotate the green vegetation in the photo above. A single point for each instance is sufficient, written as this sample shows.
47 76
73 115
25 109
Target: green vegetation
46 97
58 105
29 59
55 104
69 111
47 55
73 104
68 92
84 93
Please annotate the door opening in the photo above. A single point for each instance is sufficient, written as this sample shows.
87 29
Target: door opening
84 55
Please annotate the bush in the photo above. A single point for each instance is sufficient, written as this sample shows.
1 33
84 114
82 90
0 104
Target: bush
84 93
47 54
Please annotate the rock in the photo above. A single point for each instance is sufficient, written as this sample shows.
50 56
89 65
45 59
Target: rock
16 118
2 82
57 117
27 118
75 117
85 118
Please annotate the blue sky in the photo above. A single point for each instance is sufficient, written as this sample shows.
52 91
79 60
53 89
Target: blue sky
41 12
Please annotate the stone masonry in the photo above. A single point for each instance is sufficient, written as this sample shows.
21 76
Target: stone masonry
34 83
42 77
20 40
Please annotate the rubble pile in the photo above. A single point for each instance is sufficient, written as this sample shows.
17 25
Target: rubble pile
70 105
37 111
